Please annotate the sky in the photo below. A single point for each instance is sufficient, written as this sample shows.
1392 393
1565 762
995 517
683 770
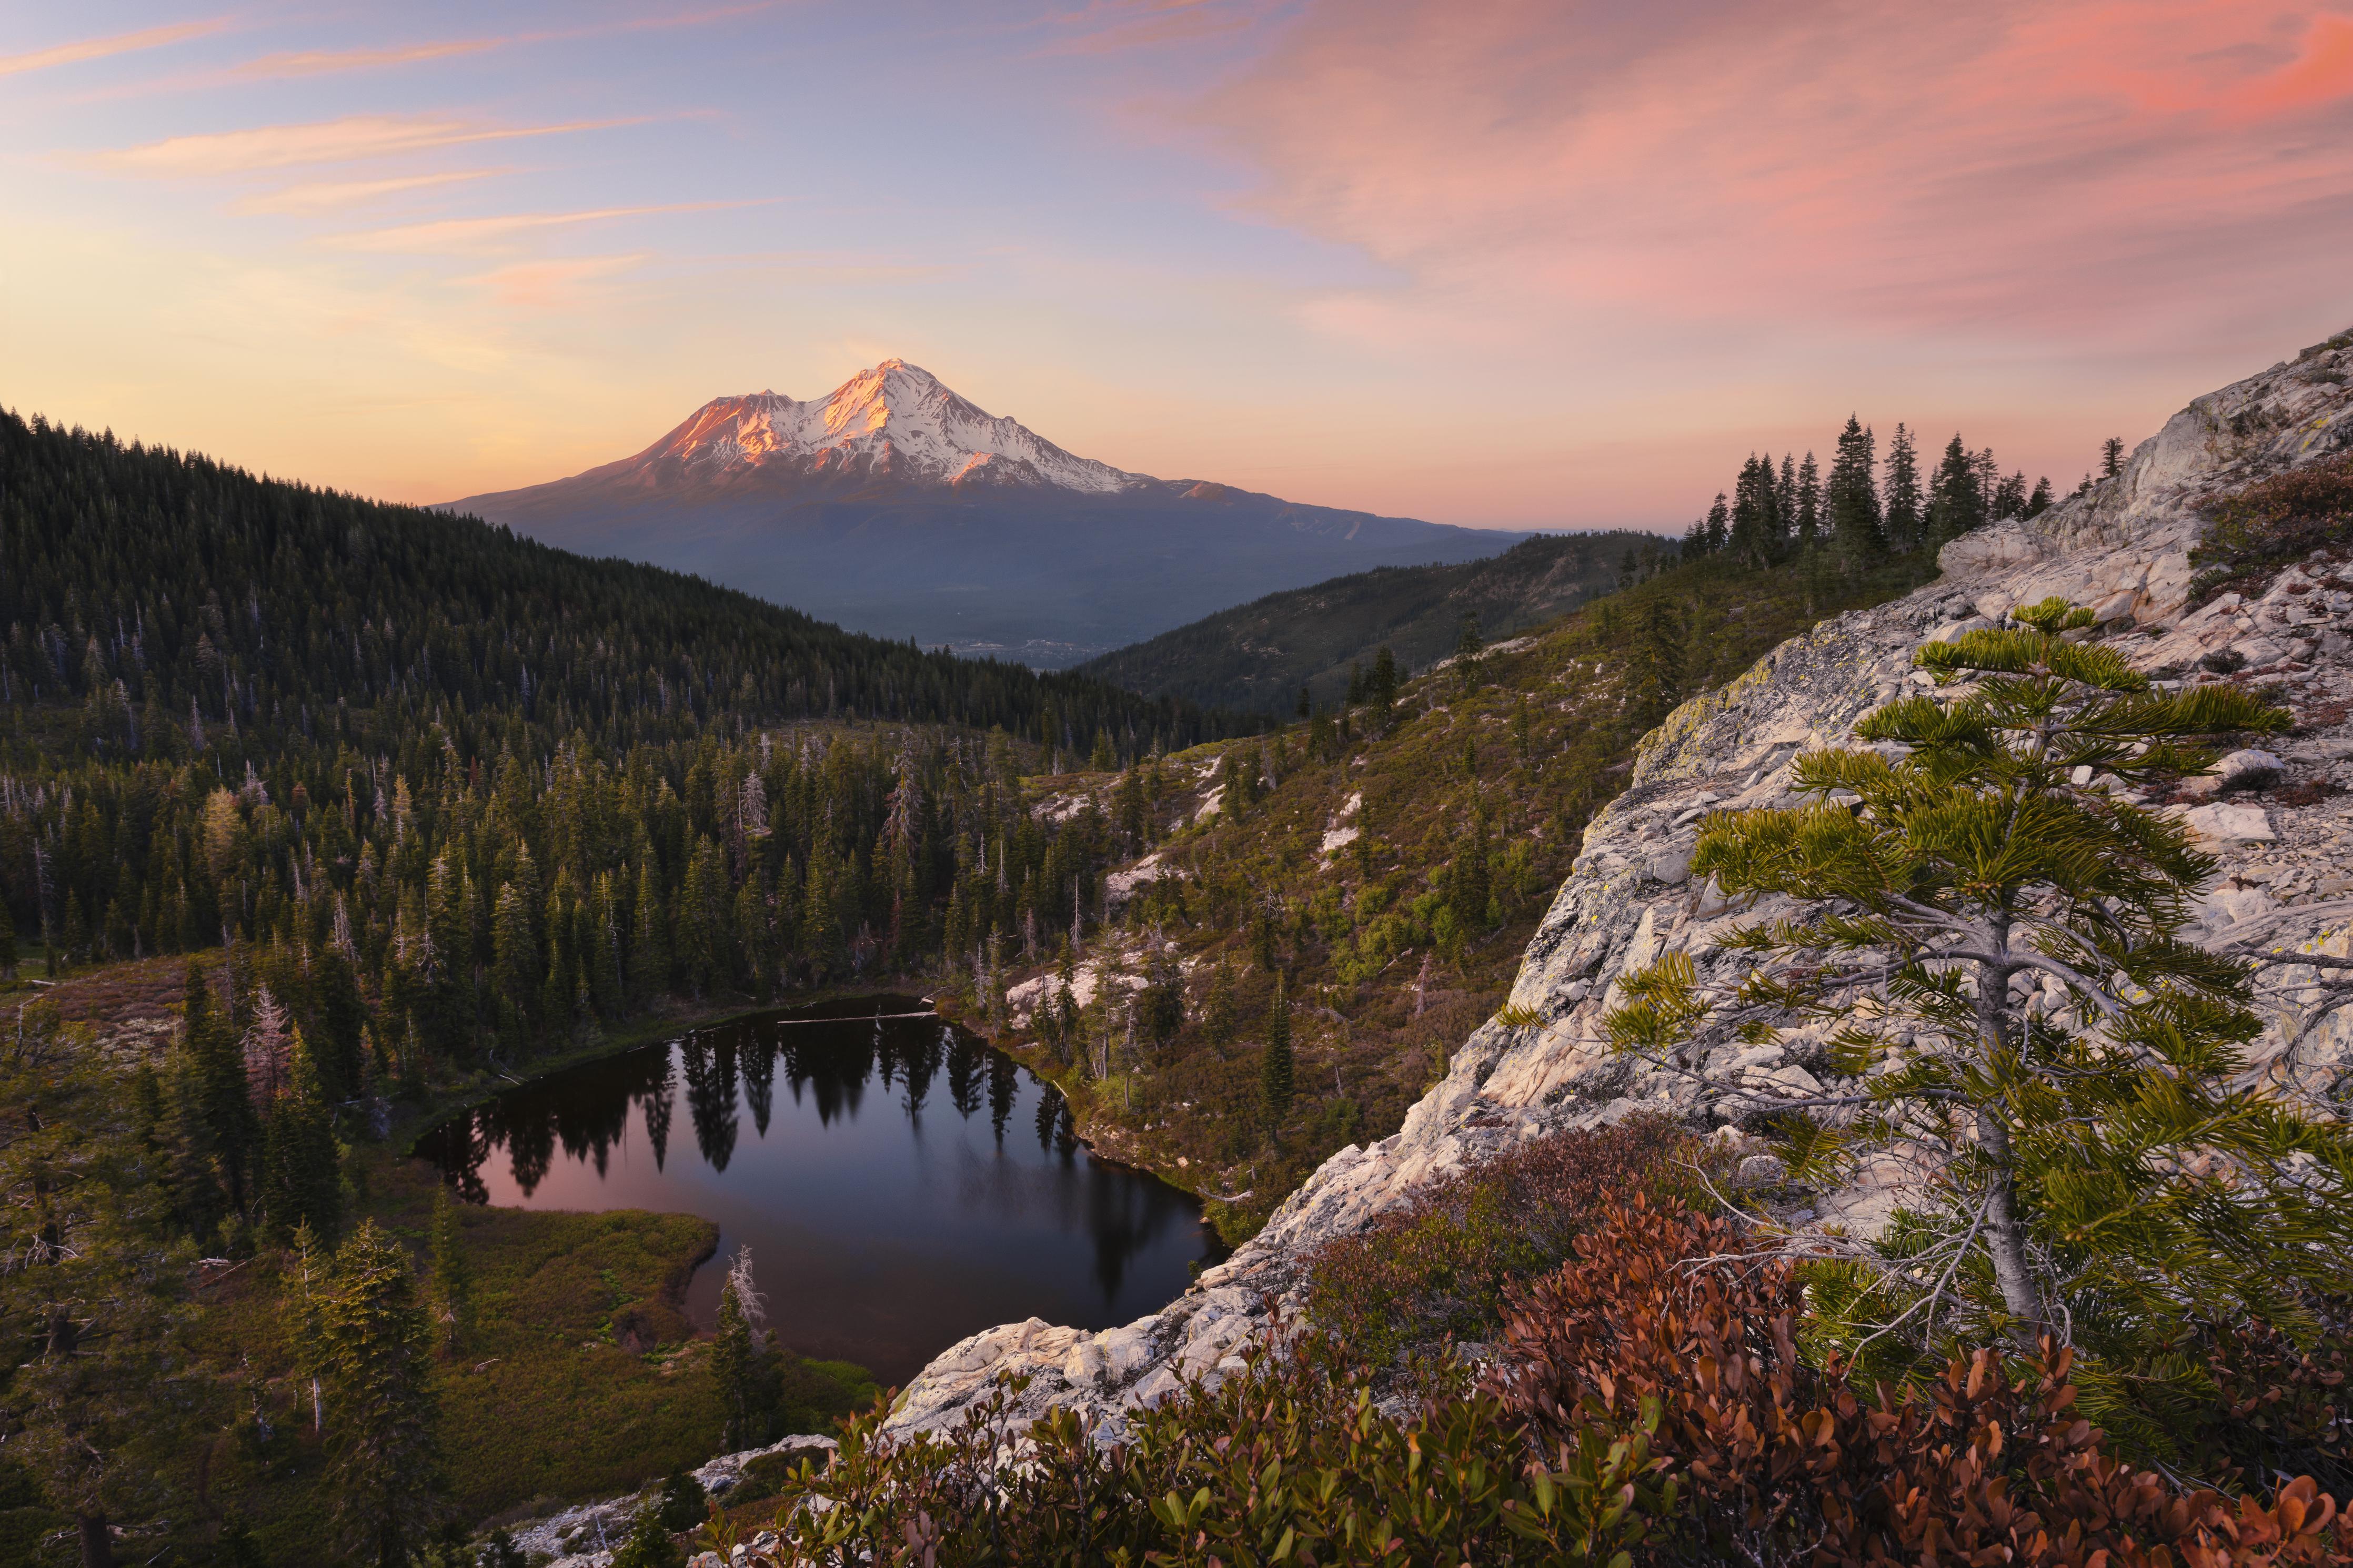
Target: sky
1520 263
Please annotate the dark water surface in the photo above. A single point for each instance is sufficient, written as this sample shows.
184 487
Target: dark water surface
900 1184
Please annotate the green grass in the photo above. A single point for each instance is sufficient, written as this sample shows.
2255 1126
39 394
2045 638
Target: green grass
540 1404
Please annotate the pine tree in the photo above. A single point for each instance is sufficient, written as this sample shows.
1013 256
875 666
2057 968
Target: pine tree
1856 524
1655 671
737 1356
361 1334
1956 501
1384 683
449 1293
1275 1066
1996 953
1906 512
99 1384
2039 501
2112 457
7 945
514 967
1467 890
224 1109
2009 497
1468 645
302 1166
1220 1013
649 1545
648 959
1809 502
1718 526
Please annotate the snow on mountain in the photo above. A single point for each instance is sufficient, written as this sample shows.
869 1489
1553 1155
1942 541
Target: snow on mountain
896 421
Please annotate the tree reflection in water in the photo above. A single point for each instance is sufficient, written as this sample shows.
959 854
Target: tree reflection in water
894 1235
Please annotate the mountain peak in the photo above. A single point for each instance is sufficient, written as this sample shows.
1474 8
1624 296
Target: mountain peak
895 421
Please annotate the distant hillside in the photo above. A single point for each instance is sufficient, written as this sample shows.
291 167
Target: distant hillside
1258 656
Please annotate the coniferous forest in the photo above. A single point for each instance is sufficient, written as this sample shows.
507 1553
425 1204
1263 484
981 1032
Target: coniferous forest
502 790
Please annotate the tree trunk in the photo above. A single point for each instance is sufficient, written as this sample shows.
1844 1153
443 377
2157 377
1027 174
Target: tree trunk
97 1540
2006 1237
2005 1233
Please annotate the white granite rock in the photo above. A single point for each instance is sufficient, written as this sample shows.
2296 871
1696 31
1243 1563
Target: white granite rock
2124 547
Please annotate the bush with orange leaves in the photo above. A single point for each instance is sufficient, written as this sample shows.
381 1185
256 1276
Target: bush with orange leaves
1786 1463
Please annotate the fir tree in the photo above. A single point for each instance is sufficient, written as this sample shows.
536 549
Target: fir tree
302 1166
1906 510
1275 1067
361 1334
1467 890
649 957
1852 497
736 1356
1221 1012
101 1381
224 1106
514 967
2009 497
650 1545
1997 954
1382 685
1654 677
1955 500
449 1291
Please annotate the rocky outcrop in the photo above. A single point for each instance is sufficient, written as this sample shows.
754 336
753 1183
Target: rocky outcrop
588 1535
2124 549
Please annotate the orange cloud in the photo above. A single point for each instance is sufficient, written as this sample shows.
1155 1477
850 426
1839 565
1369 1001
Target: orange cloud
466 234
99 48
324 195
315 62
348 139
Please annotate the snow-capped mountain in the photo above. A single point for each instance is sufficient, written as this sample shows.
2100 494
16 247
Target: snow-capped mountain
893 421
894 506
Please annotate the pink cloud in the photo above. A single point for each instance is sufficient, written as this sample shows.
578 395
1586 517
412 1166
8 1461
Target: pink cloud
2010 168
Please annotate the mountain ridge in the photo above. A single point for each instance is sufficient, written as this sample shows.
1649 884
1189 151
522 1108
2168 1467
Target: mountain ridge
896 506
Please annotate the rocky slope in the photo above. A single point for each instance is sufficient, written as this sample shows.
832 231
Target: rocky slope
2286 848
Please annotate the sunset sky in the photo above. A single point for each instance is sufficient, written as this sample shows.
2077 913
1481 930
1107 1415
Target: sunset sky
1529 263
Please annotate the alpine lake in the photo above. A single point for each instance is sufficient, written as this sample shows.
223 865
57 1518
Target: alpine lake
899 1183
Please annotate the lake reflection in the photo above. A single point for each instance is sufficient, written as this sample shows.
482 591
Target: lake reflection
900 1184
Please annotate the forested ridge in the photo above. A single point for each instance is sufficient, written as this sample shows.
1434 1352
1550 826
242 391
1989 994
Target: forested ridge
512 790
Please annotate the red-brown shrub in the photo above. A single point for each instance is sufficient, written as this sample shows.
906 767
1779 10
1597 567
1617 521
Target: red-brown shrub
1440 1263
1786 1463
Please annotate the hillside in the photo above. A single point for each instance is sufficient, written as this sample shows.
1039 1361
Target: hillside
1258 656
1389 865
2254 485
896 506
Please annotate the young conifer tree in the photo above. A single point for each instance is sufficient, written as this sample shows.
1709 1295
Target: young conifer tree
302 1165
1275 1068
736 1354
451 1290
361 1334
1991 942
